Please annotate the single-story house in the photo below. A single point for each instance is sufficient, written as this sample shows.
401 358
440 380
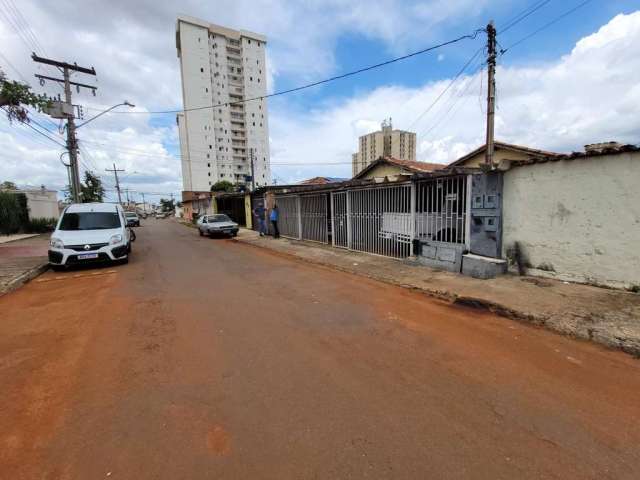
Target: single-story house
503 153
389 168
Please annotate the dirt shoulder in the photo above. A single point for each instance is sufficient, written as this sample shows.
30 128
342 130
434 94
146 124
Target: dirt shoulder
606 316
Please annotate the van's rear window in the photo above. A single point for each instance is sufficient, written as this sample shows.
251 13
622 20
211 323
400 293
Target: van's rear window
90 221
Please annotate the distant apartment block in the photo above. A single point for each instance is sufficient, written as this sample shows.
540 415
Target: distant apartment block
386 142
220 66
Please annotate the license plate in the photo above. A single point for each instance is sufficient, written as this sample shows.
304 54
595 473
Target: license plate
87 256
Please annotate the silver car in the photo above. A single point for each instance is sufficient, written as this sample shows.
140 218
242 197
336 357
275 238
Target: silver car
218 224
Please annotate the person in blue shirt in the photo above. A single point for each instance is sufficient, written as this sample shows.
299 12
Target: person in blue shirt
260 213
274 221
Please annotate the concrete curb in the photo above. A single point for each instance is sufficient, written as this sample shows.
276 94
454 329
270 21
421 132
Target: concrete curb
605 338
22 237
24 278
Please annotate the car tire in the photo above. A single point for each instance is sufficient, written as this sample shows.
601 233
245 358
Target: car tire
200 232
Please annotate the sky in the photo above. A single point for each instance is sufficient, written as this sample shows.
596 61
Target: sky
573 83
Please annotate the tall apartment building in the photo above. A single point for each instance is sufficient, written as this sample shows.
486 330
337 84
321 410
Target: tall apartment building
386 142
220 66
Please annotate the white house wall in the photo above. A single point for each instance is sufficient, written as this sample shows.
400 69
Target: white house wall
577 220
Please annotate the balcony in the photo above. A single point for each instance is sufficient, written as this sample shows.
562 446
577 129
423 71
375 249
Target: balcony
237 116
233 50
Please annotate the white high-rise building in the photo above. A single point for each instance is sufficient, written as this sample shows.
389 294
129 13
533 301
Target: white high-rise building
220 66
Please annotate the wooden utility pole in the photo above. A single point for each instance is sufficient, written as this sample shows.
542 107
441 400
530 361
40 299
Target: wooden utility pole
115 172
491 92
66 111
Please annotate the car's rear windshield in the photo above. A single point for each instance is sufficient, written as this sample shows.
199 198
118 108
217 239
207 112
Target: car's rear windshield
90 221
218 218
130 214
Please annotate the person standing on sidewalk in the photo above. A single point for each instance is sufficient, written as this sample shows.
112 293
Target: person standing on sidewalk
274 221
260 213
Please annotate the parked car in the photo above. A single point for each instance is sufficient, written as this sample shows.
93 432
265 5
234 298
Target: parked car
90 233
132 219
217 224
161 215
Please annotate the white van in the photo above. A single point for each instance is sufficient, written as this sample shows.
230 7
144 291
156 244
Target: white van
90 233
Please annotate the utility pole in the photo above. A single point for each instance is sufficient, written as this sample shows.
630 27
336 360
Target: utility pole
144 205
115 172
253 175
65 110
491 91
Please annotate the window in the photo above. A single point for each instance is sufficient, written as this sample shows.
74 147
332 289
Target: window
208 155
90 221
210 147
254 124
251 79
258 80
201 70
208 164
206 90
249 42
209 173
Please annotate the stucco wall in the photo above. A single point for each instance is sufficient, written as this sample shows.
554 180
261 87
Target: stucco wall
498 155
577 219
42 204
384 170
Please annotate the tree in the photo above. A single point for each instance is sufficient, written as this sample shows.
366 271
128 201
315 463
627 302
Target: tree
8 186
167 205
92 189
14 96
222 186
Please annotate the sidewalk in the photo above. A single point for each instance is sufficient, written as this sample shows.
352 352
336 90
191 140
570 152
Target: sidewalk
21 260
608 317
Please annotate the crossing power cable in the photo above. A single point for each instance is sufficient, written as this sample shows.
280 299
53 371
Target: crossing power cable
545 26
471 36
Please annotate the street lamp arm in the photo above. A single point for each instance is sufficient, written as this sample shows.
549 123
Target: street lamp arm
106 111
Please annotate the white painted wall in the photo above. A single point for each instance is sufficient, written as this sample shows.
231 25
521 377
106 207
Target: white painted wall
42 203
213 73
579 217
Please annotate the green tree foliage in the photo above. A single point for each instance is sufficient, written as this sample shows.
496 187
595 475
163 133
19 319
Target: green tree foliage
222 186
92 189
8 186
16 96
14 213
167 205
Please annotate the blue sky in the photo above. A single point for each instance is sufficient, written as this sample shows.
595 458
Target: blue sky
545 85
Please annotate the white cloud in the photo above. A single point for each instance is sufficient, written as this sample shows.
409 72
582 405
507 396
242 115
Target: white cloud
587 96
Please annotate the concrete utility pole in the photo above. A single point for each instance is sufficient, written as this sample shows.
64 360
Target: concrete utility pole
253 175
491 91
66 111
115 172
144 205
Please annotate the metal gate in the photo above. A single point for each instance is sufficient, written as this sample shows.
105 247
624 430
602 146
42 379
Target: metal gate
339 219
289 216
313 218
441 209
378 220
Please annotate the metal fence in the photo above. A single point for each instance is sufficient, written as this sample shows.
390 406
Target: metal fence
289 216
441 209
381 219
374 220
313 217
339 220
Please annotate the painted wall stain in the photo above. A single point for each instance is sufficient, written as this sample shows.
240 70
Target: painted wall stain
218 441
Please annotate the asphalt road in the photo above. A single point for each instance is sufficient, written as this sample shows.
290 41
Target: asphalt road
207 358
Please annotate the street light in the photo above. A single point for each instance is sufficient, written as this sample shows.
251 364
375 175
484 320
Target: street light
131 105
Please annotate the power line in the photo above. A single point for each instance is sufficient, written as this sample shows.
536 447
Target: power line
24 24
521 16
445 89
546 25
471 36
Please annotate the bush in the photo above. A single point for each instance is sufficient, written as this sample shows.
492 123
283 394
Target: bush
14 214
41 225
